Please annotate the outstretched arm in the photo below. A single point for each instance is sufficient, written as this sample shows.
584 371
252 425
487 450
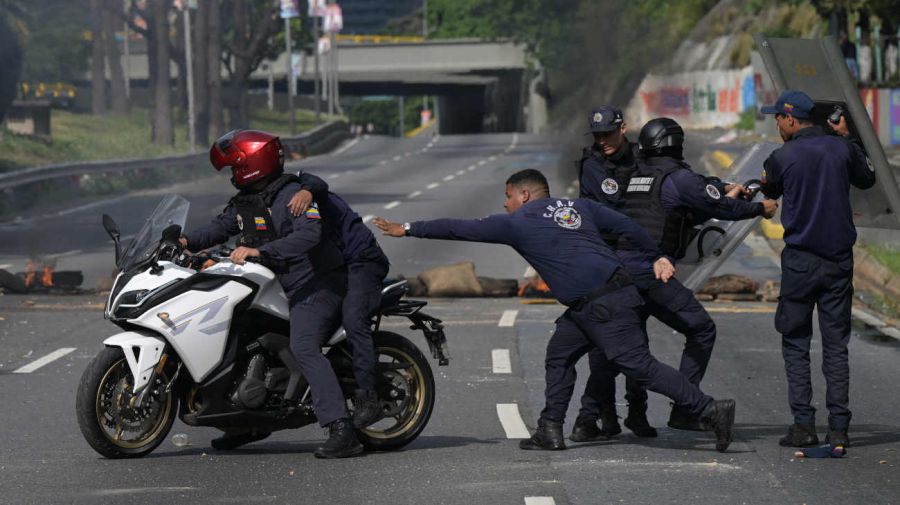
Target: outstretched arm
494 229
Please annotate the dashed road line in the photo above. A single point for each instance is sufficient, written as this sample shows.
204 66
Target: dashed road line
472 167
500 361
367 218
5 266
482 162
492 158
508 318
333 176
460 172
397 158
511 421
407 154
53 356
432 185
346 146
539 500
414 194
391 205
383 162
449 177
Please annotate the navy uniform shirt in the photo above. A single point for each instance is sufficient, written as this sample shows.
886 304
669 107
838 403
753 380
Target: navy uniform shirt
814 171
684 191
560 238
604 179
296 245
340 219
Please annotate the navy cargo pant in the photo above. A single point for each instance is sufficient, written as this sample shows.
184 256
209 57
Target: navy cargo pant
315 315
676 307
365 276
612 324
809 281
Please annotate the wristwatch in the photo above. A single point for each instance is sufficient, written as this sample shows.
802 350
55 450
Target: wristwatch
406 228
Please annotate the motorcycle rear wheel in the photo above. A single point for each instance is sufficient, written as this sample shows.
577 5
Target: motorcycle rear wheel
110 425
414 385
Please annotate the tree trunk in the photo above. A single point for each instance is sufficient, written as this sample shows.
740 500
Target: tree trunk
214 75
118 98
98 71
178 58
253 25
163 131
201 97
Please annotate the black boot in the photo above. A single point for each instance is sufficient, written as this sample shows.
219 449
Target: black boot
547 437
366 408
637 421
233 440
682 419
718 417
609 422
800 435
837 438
341 443
586 430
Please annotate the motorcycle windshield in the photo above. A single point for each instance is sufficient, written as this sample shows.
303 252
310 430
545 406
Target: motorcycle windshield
173 209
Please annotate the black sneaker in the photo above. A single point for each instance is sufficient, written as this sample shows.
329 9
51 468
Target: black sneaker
837 438
366 408
547 437
230 441
586 430
637 421
341 443
718 417
800 435
682 419
609 423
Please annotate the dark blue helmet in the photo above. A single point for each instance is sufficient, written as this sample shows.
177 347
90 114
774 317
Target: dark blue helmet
659 134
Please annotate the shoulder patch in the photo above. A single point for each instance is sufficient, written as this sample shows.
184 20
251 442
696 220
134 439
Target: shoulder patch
313 212
610 186
713 192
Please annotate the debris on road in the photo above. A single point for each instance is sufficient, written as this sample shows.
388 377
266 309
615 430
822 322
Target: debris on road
730 287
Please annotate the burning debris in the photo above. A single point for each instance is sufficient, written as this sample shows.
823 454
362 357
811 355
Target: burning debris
40 275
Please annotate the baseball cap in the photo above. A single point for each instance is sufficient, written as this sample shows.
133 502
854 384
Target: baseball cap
795 103
605 119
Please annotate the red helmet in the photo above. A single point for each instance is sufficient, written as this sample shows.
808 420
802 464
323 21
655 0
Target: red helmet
251 154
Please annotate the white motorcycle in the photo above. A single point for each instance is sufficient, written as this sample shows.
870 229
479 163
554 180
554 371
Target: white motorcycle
212 347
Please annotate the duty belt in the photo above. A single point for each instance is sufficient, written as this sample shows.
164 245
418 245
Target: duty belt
620 279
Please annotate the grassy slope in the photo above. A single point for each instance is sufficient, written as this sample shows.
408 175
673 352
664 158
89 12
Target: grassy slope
78 137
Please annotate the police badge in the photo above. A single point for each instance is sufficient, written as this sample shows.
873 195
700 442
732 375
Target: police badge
609 186
713 192
567 217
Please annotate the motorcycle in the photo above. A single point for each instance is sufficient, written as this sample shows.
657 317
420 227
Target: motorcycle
210 344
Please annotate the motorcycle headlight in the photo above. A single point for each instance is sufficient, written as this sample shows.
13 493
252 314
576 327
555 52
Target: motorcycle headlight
133 298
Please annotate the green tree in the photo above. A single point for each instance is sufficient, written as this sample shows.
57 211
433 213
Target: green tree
12 30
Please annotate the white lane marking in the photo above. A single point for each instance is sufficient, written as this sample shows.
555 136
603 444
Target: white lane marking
346 146
511 421
508 318
383 162
5 266
397 157
472 167
407 154
460 172
482 162
34 365
501 361
449 177
414 194
432 185
392 204
334 176
73 252
492 158
539 500
367 218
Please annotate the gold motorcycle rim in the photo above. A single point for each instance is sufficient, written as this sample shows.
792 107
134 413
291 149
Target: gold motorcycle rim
413 405
116 382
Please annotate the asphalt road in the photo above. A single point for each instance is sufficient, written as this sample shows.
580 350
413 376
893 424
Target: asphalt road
465 456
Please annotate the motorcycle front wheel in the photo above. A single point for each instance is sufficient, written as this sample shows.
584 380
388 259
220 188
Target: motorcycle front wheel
109 419
407 393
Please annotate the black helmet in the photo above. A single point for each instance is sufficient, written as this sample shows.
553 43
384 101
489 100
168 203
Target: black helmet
660 133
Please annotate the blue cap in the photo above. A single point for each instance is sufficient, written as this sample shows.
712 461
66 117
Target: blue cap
795 103
605 118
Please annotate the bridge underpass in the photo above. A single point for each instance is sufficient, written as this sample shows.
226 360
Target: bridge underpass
480 86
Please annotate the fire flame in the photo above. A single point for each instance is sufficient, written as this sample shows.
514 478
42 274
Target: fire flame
47 277
30 274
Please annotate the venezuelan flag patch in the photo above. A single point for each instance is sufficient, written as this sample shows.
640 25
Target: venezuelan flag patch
260 223
313 213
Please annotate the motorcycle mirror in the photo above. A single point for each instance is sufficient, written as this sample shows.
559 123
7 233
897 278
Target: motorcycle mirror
172 233
113 230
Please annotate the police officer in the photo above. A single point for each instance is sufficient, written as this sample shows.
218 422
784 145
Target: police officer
313 277
367 266
667 199
813 172
606 165
560 238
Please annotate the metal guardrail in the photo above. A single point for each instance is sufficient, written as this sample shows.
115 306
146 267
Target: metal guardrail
316 141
